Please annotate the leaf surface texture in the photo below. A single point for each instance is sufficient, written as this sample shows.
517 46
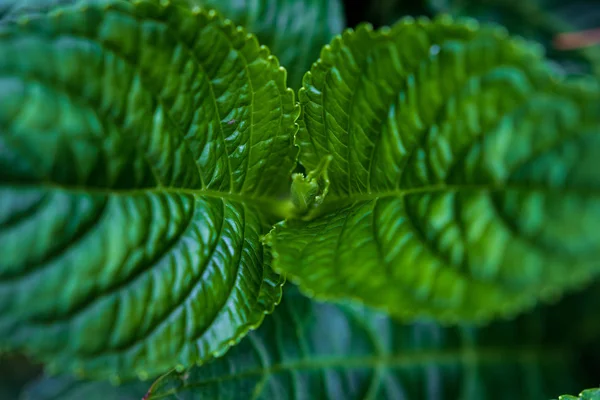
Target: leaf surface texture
462 174
143 152
294 30
310 350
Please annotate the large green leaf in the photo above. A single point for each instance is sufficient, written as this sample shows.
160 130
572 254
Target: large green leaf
540 20
309 350
68 388
294 30
143 150
463 175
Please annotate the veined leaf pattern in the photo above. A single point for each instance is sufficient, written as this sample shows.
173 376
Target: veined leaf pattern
143 152
462 173
309 350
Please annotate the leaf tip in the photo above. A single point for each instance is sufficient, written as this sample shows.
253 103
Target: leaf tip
212 14
142 375
444 19
471 24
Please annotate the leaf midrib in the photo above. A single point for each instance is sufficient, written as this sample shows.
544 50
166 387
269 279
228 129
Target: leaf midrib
465 356
341 201
269 205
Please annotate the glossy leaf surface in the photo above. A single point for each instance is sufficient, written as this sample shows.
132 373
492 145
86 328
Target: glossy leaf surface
294 30
309 350
143 150
463 178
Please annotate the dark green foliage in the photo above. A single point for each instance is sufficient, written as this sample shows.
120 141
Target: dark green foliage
140 185
68 388
15 372
539 20
442 223
350 352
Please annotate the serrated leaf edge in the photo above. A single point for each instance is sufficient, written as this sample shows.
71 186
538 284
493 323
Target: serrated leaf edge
54 368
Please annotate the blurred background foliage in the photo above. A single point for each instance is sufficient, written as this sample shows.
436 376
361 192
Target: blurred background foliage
295 30
542 21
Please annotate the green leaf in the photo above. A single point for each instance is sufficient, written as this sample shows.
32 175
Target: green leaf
463 178
143 152
589 394
68 388
310 350
540 20
294 30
